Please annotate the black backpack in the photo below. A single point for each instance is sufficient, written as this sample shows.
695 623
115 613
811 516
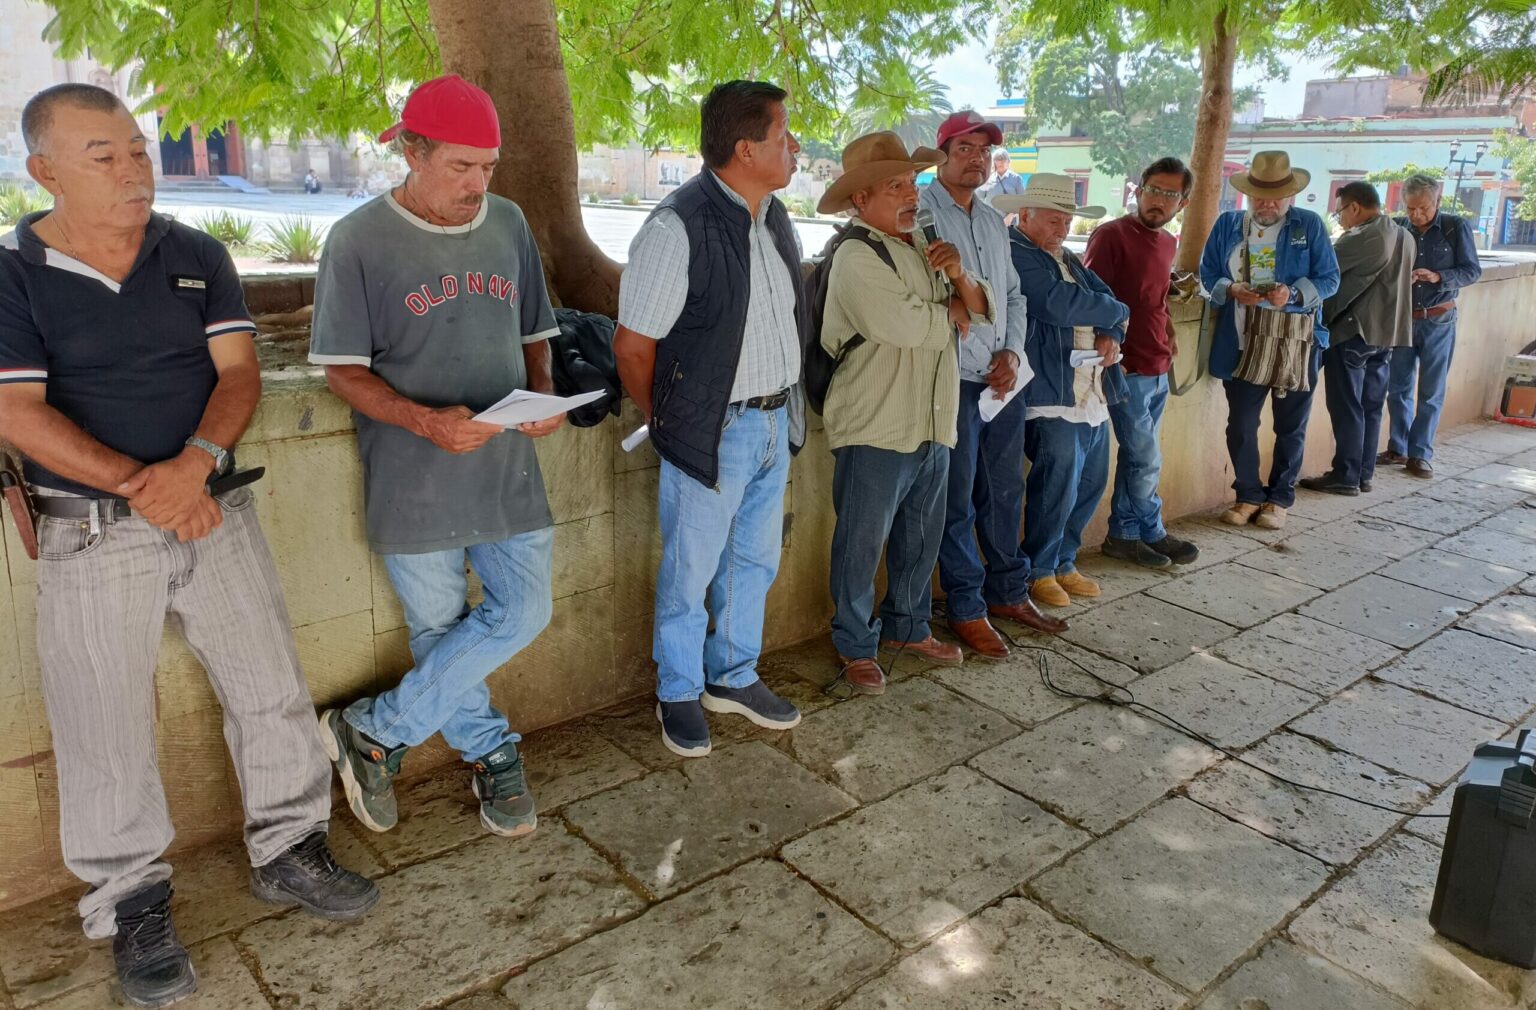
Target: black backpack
819 365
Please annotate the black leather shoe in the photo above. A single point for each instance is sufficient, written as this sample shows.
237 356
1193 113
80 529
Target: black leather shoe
152 965
1135 551
1329 483
1180 552
308 875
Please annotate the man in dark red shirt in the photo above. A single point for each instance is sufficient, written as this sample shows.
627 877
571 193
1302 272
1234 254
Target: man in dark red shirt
1134 256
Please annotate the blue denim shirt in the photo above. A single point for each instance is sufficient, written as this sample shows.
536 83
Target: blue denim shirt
1448 248
1055 308
1304 262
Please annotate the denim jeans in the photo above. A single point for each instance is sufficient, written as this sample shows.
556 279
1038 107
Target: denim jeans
1245 402
720 551
1068 468
1355 382
1135 510
455 648
892 501
981 515
1415 418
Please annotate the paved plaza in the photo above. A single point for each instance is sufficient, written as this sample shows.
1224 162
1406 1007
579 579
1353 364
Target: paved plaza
970 839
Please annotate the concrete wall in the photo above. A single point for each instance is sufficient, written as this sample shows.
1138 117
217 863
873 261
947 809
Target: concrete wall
597 649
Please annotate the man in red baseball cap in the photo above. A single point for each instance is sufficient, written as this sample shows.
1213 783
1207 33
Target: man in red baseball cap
430 306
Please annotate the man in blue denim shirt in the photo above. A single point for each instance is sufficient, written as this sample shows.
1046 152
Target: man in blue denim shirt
1446 263
1291 268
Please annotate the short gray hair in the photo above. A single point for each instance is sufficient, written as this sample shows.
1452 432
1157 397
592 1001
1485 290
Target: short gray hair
407 140
1418 184
37 115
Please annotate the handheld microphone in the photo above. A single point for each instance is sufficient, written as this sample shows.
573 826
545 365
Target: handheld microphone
926 222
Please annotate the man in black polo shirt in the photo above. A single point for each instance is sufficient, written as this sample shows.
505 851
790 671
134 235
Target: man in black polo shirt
127 375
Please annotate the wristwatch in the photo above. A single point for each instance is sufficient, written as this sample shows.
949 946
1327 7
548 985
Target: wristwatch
220 456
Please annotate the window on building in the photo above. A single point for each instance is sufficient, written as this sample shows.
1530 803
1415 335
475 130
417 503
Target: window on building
1080 192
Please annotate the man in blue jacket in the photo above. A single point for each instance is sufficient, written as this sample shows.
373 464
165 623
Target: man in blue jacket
1446 263
1271 257
1076 327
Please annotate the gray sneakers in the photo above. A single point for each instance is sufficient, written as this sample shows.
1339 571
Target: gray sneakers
367 770
506 805
152 965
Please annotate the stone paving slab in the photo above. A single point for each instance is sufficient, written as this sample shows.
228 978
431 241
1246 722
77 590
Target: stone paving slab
1097 765
1216 543
1454 574
1510 619
1313 560
1387 610
1443 517
1517 477
1457 457
1176 889
1294 524
1493 546
1327 508
1376 536
1306 653
1400 730
1329 827
711 819
1520 520
1432 829
1234 594
1470 671
445 925
1488 496
1014 688
223 983
1526 459
1375 922
1497 437
1222 702
1016 955
872 746
1144 633
758 938
919 861
1283 977
1118 578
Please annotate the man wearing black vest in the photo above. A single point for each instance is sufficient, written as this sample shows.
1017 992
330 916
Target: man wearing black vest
708 347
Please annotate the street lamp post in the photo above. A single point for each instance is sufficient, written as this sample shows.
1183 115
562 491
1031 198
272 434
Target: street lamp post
1461 164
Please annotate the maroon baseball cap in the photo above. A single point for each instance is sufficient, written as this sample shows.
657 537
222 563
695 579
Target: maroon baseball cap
449 109
967 121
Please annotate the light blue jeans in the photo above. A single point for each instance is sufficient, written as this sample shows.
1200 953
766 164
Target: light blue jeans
456 648
1068 468
1428 359
1135 510
719 555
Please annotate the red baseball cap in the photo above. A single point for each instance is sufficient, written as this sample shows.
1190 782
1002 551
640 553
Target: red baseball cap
450 109
967 121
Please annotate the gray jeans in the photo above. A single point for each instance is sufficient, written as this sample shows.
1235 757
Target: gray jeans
104 589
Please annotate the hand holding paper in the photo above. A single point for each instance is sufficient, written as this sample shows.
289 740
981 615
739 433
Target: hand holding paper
522 406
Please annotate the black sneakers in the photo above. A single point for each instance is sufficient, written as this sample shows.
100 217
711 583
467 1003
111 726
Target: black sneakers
152 965
308 875
684 730
1135 551
1180 552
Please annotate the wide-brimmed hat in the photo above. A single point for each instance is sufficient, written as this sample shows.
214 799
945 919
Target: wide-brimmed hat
874 158
1045 191
1271 177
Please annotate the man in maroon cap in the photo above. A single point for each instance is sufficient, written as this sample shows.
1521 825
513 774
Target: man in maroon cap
430 307
982 568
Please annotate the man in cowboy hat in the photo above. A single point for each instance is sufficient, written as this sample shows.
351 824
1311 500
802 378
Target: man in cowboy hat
1076 327
1273 257
892 405
982 568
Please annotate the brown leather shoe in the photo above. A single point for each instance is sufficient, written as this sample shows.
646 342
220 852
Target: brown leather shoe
981 638
930 649
864 676
1389 458
1026 613
1420 468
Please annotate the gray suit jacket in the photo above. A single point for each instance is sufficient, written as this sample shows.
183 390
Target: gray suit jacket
1375 296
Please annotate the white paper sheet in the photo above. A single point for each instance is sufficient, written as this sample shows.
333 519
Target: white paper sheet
989 406
1087 356
522 406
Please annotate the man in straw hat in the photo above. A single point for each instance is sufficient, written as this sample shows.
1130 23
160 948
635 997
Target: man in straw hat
1272 257
1076 327
892 405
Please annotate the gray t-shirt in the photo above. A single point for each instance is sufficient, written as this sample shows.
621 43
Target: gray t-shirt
440 314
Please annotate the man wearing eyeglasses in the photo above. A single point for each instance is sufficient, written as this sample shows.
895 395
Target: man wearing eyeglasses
1133 254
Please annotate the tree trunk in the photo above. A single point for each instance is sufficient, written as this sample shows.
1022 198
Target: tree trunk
1213 122
511 48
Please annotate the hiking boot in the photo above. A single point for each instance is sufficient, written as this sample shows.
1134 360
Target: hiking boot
1048 592
1077 584
684 730
1419 468
864 676
1330 483
1270 517
1180 552
756 701
308 875
1135 551
1239 513
367 769
1389 458
930 648
506 804
152 965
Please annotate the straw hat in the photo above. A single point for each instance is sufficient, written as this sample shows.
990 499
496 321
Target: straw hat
1271 177
874 158
1045 191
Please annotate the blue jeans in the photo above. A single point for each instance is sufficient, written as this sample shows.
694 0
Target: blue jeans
1355 382
1068 469
720 551
883 496
1428 360
1245 402
981 515
1135 510
455 648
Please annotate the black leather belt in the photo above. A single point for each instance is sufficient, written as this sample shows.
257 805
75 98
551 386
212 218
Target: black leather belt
117 508
773 401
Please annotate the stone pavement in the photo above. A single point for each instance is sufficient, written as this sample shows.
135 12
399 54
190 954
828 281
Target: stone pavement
970 839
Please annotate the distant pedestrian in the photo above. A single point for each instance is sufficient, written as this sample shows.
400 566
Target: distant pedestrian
311 182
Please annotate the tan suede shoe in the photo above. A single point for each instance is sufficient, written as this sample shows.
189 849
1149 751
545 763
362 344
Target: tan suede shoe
1078 584
1048 592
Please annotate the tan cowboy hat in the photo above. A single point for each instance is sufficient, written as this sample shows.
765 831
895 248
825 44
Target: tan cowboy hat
1271 177
874 158
1045 191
